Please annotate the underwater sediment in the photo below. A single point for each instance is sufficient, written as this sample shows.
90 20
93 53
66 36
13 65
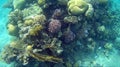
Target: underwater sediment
59 33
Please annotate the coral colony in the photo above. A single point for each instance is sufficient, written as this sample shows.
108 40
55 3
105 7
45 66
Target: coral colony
48 33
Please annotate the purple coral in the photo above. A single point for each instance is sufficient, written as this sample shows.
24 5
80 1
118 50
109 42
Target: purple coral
69 36
54 26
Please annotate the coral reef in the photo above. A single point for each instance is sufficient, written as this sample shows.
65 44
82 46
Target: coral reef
54 33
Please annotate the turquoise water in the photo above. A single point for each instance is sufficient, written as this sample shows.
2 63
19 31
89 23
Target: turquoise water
114 56
4 36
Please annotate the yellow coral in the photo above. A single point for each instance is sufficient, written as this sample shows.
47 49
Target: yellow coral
77 7
29 48
89 12
35 29
40 18
28 22
41 57
12 29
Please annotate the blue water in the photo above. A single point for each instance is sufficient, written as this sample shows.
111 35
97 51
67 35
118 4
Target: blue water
5 37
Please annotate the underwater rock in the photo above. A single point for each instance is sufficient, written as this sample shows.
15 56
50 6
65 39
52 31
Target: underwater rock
77 64
62 2
54 26
59 65
68 36
18 4
68 64
57 13
103 2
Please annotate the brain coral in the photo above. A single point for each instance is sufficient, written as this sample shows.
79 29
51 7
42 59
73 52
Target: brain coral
77 7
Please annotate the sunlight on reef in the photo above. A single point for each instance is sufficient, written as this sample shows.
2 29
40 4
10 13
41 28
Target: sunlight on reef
60 33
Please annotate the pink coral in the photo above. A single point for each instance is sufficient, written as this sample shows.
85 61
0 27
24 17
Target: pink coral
54 26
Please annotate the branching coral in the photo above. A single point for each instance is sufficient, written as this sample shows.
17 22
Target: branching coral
12 50
32 10
41 57
15 16
35 29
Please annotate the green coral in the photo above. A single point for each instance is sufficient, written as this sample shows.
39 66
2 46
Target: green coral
28 22
32 10
71 19
77 7
89 12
